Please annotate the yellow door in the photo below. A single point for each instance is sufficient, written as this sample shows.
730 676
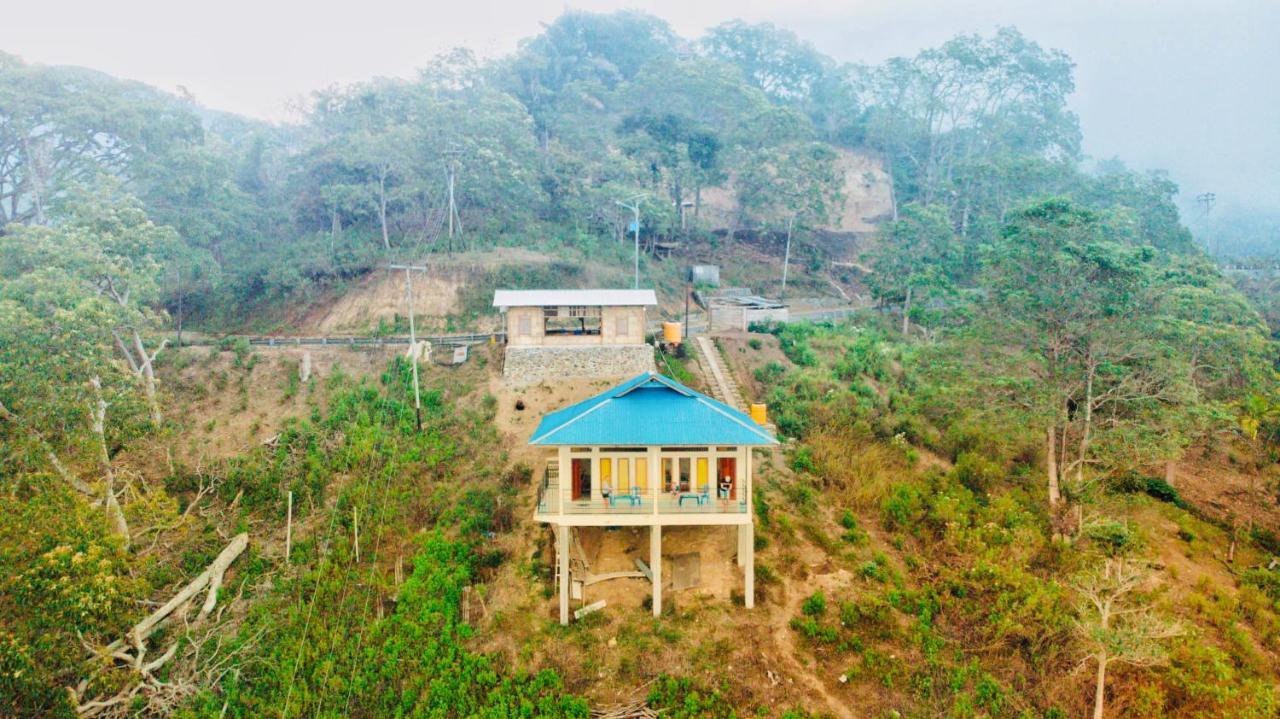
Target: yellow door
624 476
702 473
642 474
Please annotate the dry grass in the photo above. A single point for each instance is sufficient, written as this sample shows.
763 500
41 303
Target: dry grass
860 471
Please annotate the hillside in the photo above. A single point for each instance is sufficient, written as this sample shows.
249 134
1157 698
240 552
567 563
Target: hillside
872 554
1031 468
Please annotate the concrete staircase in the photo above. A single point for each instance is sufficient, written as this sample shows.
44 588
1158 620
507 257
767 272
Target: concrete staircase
718 377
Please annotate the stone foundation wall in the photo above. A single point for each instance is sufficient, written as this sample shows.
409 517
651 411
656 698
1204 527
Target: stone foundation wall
531 365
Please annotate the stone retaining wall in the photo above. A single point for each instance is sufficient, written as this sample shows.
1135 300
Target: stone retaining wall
530 365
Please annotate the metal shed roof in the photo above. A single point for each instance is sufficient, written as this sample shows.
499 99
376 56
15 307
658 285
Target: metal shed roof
583 298
649 410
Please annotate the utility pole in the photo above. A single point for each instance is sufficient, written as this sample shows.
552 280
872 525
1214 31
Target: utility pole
451 156
181 295
1206 201
634 206
688 290
413 335
786 255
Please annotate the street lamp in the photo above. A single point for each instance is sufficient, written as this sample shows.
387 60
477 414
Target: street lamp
634 206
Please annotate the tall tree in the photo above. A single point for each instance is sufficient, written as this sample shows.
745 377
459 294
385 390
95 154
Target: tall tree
972 101
771 58
680 154
1066 305
64 125
107 245
579 56
913 258
792 187
1116 627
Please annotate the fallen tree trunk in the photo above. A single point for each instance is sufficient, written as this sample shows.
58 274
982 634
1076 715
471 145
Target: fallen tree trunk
136 638
211 577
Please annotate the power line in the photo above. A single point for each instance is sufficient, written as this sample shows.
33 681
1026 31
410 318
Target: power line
311 609
346 587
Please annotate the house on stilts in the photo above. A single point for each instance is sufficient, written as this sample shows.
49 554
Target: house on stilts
648 453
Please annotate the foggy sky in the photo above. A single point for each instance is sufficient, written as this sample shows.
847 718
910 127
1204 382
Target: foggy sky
1191 87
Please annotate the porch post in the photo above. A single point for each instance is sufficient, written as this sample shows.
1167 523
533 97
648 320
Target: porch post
655 566
595 475
565 488
562 557
655 475
743 539
748 531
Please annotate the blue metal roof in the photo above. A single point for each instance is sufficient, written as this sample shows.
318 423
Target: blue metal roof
649 410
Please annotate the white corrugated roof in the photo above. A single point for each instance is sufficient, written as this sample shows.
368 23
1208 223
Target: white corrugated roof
582 298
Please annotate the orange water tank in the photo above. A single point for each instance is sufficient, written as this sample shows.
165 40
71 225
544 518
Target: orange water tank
671 333
760 414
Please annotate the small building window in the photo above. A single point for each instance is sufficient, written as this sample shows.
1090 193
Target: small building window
571 321
525 327
621 328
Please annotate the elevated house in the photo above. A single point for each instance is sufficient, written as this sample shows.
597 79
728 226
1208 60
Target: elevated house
652 453
553 334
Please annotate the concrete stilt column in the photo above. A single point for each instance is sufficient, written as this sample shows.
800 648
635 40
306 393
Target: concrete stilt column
655 566
562 556
743 538
747 537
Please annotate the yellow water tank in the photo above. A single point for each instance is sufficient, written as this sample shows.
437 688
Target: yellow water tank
671 333
760 414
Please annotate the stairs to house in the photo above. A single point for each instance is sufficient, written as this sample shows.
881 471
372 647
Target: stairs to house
718 377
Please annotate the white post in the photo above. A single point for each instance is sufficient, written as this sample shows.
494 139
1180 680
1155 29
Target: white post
742 544
749 569
288 528
655 566
413 341
562 556
566 480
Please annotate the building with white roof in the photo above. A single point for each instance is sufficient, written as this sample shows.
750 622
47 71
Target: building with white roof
596 333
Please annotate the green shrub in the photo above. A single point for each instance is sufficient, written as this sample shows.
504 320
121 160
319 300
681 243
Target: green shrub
902 507
872 569
1163 491
801 460
977 473
1114 537
814 605
801 495
681 698
870 615
815 631
1268 580
853 534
